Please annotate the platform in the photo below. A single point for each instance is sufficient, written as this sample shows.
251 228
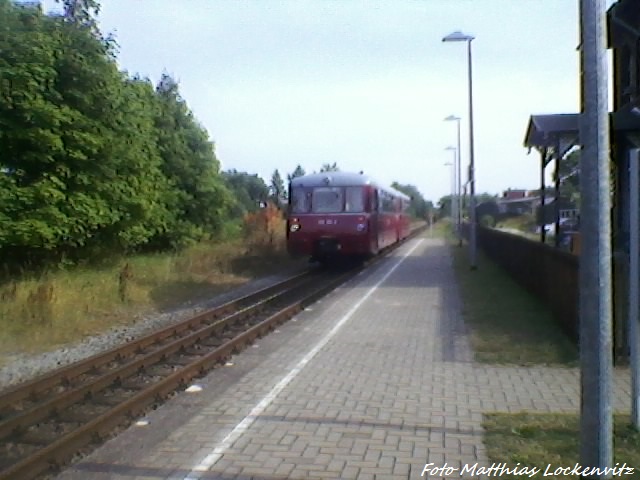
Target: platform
373 382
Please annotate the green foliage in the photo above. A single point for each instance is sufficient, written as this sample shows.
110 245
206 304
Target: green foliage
444 204
488 221
91 161
298 172
327 167
249 191
277 189
569 173
419 208
80 12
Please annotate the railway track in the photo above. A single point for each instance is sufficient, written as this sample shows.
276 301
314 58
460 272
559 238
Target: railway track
46 421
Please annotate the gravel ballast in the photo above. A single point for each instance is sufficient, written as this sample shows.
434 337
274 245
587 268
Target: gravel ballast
23 367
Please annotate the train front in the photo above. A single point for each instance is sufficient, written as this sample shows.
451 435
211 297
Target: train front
328 219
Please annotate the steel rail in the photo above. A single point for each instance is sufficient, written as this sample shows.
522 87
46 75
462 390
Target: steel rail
65 375
61 450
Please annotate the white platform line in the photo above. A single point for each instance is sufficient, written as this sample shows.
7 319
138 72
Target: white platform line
216 454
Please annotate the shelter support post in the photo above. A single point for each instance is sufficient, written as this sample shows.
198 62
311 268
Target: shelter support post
543 159
556 201
634 285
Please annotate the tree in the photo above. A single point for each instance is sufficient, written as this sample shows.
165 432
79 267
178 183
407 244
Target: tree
329 168
249 191
81 13
78 174
277 189
419 207
298 172
444 206
569 175
201 201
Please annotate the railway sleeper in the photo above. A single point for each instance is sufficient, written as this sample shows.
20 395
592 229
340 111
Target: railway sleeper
162 370
12 452
47 433
112 398
141 381
183 360
82 413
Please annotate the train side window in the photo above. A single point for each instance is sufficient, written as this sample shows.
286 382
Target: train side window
386 203
354 199
374 200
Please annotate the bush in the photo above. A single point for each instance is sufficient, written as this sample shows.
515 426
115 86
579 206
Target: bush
488 221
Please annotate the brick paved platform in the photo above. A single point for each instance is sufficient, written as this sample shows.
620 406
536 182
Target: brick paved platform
372 382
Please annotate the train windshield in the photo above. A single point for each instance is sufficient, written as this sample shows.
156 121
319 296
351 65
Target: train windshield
327 200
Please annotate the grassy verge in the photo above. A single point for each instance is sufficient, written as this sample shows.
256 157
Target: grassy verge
538 440
40 314
509 326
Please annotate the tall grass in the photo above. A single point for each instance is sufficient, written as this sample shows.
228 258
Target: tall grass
43 312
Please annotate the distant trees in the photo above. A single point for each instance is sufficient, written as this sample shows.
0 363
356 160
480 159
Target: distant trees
327 167
569 173
444 204
249 191
298 172
419 208
277 189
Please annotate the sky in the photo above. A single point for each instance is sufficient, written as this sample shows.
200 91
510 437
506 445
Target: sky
362 83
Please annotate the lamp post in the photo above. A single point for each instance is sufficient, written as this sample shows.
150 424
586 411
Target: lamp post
455 205
452 206
461 37
451 118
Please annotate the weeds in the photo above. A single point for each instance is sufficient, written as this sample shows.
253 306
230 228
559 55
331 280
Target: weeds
38 314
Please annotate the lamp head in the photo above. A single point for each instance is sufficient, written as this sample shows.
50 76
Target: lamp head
451 118
458 37
450 148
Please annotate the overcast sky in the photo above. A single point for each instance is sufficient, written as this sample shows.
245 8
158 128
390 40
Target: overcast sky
365 84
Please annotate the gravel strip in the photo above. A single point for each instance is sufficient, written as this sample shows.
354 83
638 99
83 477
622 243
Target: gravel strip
23 367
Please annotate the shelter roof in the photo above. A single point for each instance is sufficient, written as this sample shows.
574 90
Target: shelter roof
624 23
546 130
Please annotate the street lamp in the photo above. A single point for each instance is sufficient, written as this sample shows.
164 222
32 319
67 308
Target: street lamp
455 205
452 118
461 37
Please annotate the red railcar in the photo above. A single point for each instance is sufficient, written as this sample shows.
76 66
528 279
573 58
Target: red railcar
339 214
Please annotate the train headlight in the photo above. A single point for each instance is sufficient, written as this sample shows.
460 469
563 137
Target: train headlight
294 227
361 227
